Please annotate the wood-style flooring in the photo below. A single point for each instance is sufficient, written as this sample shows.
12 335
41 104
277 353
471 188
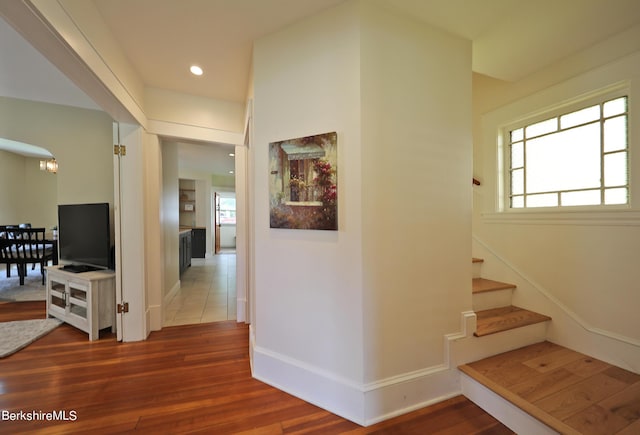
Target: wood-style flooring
567 390
183 379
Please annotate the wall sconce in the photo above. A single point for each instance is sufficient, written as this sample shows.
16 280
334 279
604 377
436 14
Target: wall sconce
49 165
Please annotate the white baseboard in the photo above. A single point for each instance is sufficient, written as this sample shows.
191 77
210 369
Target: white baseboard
510 415
252 345
406 393
367 404
241 309
364 404
154 318
172 292
321 388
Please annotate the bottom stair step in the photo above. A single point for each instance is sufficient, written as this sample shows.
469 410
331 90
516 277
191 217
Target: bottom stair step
568 391
505 318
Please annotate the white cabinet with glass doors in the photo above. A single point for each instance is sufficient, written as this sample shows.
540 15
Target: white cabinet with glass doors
85 300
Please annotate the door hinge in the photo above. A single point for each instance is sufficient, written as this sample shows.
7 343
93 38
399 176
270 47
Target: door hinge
123 308
120 150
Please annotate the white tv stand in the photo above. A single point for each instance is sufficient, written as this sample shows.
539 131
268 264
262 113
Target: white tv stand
85 300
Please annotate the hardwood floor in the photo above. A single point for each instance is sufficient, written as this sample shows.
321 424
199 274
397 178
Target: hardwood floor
21 311
567 390
183 379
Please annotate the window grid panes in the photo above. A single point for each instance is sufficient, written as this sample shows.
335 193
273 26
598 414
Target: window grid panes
228 211
573 159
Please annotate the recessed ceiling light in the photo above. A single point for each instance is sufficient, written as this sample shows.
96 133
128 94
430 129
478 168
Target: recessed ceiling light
196 70
231 155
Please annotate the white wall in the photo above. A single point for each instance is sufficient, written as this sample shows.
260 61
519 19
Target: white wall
416 205
175 107
170 217
154 230
308 284
203 204
228 236
88 17
416 85
582 266
354 320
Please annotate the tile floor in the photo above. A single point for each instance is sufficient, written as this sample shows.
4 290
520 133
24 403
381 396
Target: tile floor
207 292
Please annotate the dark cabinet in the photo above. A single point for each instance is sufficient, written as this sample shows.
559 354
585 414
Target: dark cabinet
185 250
198 242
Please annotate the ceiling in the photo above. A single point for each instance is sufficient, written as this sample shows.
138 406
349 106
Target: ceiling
511 39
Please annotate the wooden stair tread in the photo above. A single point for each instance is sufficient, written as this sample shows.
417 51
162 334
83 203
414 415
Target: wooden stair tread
561 387
505 318
481 285
516 400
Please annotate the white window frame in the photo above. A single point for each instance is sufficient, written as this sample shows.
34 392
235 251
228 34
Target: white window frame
504 156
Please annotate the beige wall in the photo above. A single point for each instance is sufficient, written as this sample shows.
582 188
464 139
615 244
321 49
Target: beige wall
40 195
12 180
224 181
81 140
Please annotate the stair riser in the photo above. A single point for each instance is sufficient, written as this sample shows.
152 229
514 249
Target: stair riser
482 347
510 415
494 299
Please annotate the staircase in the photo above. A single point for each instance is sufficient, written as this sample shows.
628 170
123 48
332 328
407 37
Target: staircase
493 308
501 327
534 386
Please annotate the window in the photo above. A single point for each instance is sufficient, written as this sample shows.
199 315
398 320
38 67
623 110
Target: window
227 211
573 159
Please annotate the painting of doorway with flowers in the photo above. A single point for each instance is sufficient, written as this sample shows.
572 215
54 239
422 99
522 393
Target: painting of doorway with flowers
303 189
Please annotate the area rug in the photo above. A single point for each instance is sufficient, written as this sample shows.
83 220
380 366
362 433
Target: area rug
32 290
18 334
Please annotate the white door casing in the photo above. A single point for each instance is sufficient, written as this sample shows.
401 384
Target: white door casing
129 233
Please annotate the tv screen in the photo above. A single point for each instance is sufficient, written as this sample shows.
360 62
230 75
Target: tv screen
84 234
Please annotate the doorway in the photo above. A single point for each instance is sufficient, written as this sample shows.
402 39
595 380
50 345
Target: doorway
207 292
224 222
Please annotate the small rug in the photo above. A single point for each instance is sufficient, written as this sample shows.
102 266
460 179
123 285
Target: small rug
32 290
18 334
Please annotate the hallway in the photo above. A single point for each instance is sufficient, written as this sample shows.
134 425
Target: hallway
207 292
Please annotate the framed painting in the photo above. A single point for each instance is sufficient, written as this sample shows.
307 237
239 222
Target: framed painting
303 183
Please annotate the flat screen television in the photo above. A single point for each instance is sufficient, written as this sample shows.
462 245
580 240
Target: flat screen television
84 236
